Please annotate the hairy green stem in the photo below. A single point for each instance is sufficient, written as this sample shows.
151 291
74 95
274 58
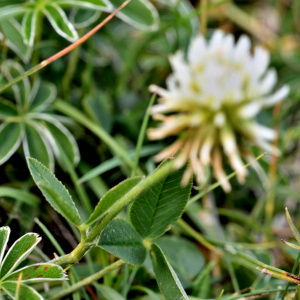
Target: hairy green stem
141 137
88 280
78 116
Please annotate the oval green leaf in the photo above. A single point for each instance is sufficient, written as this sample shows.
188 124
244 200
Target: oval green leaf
159 207
10 139
42 272
120 239
111 197
166 278
27 292
18 252
54 191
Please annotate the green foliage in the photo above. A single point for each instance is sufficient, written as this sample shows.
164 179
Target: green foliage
29 122
54 191
120 239
18 252
167 279
111 197
159 207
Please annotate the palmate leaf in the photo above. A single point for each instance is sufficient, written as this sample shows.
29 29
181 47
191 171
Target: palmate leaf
111 197
54 191
36 145
10 139
166 278
60 22
139 13
12 31
18 252
26 292
160 206
42 272
120 239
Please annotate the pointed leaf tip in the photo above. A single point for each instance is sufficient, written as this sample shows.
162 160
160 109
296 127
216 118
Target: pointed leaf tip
54 191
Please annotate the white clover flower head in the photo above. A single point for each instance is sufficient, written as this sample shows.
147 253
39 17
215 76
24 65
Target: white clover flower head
210 102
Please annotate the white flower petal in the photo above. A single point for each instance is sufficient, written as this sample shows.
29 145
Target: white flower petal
278 96
196 51
261 59
249 110
242 48
268 82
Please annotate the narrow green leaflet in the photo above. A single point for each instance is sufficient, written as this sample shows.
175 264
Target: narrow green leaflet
18 252
60 22
11 11
82 18
184 257
159 207
26 292
108 292
35 145
102 5
7 109
19 195
54 191
166 278
28 27
11 70
12 31
139 13
62 140
4 236
42 272
120 239
10 139
42 95
111 197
